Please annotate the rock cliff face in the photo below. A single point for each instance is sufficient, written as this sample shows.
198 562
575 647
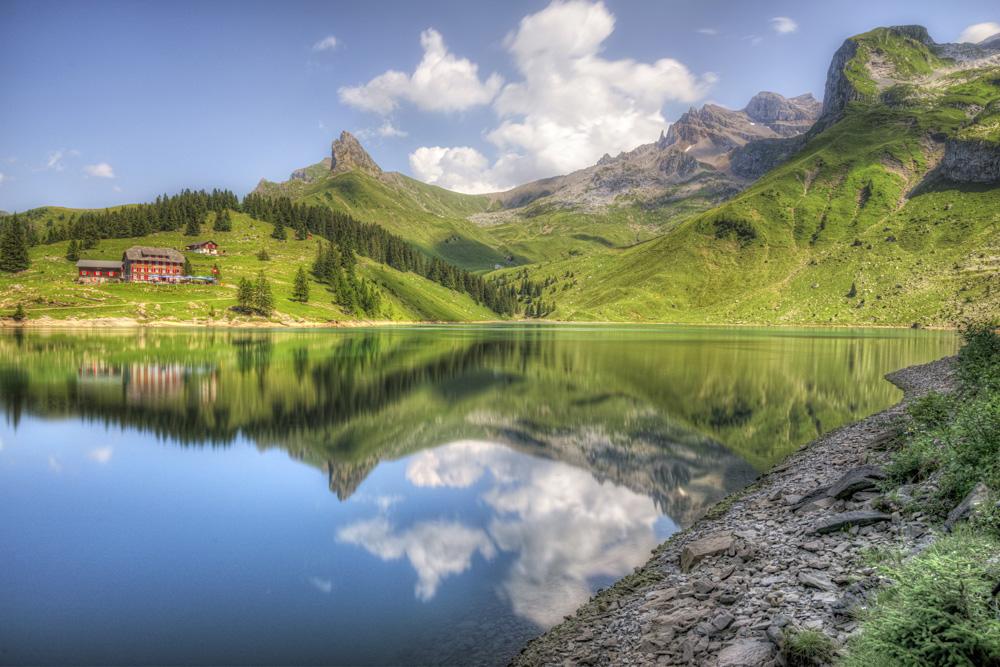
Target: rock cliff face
971 161
309 174
347 153
691 159
767 116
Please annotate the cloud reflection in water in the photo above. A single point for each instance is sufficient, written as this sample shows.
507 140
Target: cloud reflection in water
565 527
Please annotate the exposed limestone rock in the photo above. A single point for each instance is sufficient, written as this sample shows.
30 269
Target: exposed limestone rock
347 153
858 518
856 479
746 653
979 495
698 550
971 161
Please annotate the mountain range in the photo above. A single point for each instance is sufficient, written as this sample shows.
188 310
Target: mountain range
879 205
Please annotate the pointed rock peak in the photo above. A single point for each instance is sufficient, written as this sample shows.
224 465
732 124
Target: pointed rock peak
605 159
346 153
767 107
917 32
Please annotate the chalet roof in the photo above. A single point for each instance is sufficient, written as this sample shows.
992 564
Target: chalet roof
140 253
201 243
98 264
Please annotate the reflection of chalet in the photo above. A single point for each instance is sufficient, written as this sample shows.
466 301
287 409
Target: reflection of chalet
98 371
152 381
141 264
98 271
203 248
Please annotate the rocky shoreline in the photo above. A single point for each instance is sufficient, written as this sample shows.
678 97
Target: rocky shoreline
789 553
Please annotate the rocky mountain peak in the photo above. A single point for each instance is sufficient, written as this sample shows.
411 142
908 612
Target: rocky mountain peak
346 153
766 107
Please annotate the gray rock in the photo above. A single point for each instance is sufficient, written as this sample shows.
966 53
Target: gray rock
722 621
746 653
815 494
856 479
979 495
834 523
816 581
711 545
971 161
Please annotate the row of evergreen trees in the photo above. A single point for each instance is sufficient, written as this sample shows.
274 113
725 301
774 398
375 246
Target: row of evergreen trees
335 267
188 210
375 242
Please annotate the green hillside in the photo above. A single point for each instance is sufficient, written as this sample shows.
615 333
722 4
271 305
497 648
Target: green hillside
476 233
859 227
429 217
47 290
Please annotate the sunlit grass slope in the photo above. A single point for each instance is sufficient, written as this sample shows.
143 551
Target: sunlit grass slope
857 228
47 288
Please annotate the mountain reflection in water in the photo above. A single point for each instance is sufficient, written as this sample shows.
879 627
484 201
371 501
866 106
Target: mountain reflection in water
487 480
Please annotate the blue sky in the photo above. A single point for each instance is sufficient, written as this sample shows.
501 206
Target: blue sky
115 102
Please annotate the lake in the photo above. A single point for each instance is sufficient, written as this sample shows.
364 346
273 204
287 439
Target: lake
417 495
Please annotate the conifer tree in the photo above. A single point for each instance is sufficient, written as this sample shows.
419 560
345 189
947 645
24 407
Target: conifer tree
263 255
19 314
223 221
73 251
279 230
244 296
300 289
263 299
13 248
193 228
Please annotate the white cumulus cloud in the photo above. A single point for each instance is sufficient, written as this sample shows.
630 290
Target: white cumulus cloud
783 25
326 44
460 168
441 82
708 31
102 170
436 550
101 454
570 107
978 32
1 177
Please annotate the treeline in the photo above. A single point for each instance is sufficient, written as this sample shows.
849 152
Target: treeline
528 293
375 242
188 210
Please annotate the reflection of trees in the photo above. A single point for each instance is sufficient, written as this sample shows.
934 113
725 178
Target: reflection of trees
626 404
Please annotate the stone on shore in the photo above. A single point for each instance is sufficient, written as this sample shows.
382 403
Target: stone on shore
835 522
746 653
980 494
856 479
712 545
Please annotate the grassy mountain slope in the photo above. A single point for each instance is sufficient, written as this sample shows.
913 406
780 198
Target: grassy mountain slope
429 217
46 289
858 227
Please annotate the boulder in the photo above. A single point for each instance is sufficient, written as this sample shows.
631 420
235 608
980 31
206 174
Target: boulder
817 581
856 479
746 653
711 545
980 494
834 523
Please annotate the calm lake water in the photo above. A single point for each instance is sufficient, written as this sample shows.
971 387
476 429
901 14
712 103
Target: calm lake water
428 495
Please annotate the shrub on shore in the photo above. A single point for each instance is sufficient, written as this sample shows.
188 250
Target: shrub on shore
939 607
